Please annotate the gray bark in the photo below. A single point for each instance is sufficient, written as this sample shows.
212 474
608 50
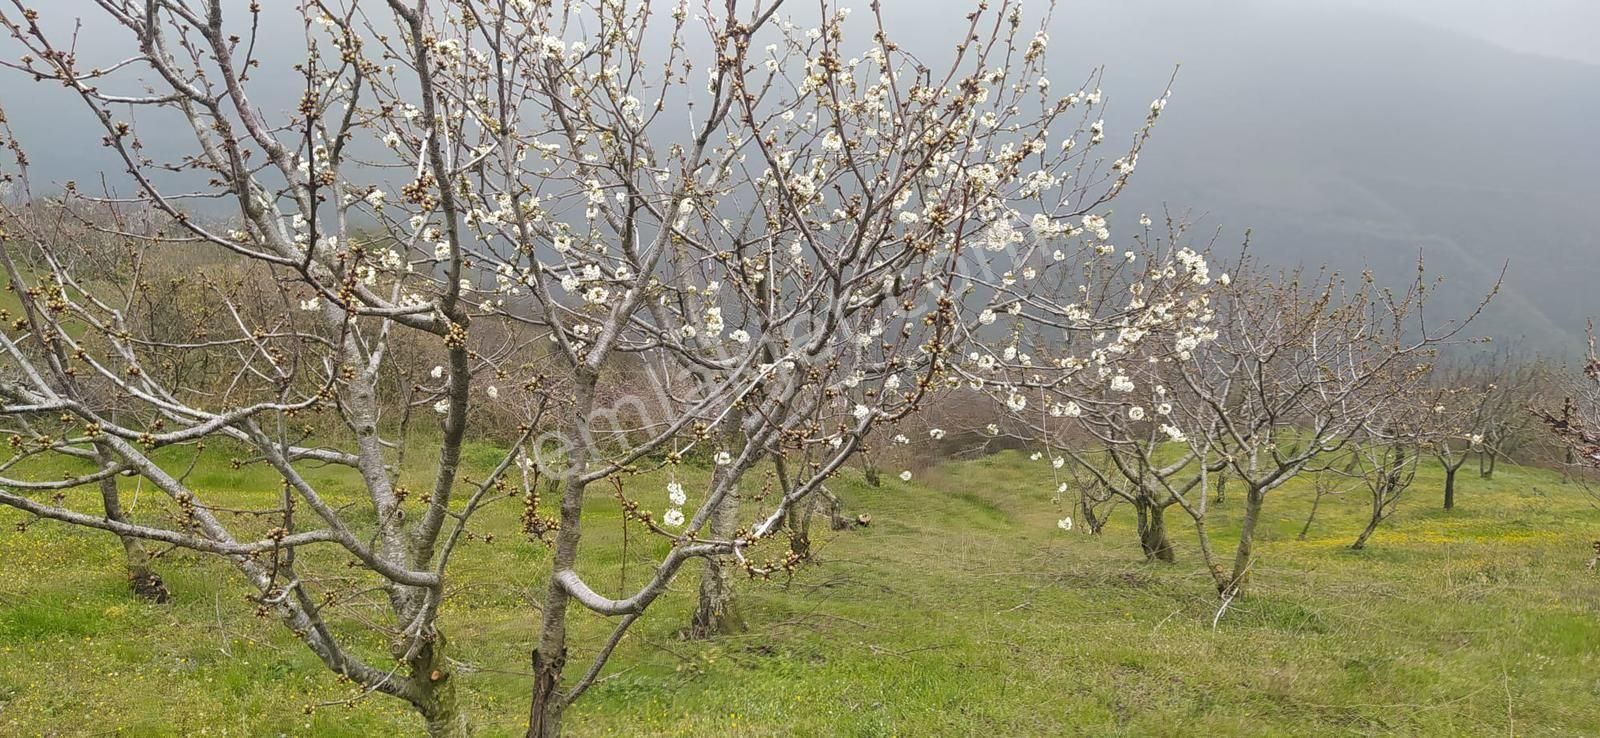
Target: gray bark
547 703
1240 578
1315 502
1153 530
142 578
717 611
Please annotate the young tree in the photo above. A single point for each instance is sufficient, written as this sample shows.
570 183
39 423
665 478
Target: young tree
1322 485
1388 465
1481 410
1176 374
1504 383
1063 374
1276 375
87 256
1096 500
1577 423
1457 433
1388 451
1295 374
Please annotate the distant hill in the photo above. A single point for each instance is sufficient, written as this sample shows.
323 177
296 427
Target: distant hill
1356 139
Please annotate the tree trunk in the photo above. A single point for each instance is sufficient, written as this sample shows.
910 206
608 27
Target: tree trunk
800 513
1361 540
1242 554
1488 473
449 723
1386 493
1206 554
1449 488
1153 531
544 718
1222 486
1372 521
1086 511
833 506
547 703
142 579
870 472
440 706
799 524
1304 529
717 612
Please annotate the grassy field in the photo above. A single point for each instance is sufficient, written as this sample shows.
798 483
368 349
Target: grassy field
962 610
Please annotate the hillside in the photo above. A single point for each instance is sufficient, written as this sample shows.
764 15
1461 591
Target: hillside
1354 139
1361 141
961 610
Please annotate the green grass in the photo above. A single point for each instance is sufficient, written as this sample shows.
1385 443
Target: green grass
962 610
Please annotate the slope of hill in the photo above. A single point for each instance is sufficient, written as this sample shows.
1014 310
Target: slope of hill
962 610
1353 139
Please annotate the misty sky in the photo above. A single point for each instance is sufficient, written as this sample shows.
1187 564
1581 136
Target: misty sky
1567 29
